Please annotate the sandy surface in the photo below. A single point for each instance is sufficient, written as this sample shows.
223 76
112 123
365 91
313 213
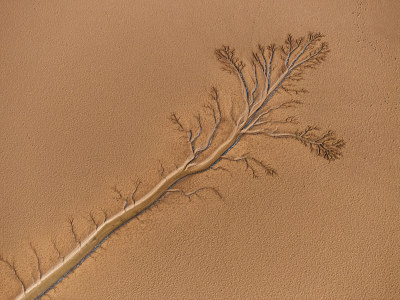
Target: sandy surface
85 95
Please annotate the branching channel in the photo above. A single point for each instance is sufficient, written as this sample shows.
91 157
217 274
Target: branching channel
273 69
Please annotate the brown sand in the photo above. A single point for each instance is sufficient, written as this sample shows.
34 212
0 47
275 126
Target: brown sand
85 94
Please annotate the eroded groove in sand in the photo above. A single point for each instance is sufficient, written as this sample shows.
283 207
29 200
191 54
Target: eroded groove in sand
271 72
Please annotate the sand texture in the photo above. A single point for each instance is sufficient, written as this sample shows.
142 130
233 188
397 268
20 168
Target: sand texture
87 92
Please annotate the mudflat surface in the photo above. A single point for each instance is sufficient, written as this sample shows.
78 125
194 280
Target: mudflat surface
86 90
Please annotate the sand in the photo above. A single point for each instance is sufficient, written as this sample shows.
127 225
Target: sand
86 91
